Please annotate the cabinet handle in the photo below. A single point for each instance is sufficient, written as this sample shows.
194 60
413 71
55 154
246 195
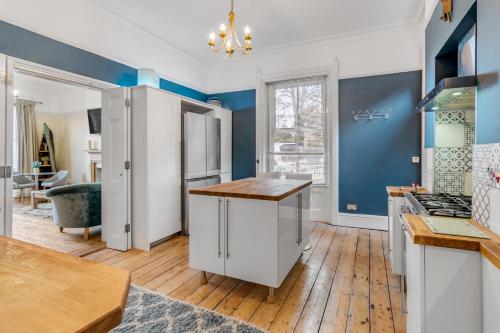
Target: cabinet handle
218 231
402 293
300 217
227 228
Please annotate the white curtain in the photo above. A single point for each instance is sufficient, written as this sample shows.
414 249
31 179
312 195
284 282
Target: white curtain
27 138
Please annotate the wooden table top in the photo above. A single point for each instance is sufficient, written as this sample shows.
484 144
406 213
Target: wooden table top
399 191
42 290
255 188
422 235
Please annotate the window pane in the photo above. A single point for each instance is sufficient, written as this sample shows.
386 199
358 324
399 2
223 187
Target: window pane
298 126
303 164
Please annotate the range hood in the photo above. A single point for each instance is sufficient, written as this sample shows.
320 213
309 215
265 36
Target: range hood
451 94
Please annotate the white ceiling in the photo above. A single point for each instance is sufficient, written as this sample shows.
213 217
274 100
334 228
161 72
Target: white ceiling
186 24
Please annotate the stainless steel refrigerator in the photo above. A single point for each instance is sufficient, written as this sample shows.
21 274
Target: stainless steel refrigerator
201 161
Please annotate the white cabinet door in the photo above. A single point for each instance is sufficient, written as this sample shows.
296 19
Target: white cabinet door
415 321
206 233
288 239
491 296
164 164
251 234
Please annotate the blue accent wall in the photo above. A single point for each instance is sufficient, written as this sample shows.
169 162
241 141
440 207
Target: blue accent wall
27 45
377 153
243 104
488 68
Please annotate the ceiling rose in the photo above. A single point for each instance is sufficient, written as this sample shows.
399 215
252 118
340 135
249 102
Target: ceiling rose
229 40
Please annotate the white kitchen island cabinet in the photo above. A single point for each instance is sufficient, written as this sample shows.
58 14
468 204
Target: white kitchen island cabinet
252 229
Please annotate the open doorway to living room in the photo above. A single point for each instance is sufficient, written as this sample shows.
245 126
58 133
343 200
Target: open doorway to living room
56 165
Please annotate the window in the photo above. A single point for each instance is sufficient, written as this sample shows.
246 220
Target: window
297 128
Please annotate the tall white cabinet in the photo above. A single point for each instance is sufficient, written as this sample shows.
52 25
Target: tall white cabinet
226 125
156 166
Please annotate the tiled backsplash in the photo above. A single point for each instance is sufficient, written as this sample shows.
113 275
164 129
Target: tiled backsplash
428 169
452 168
485 208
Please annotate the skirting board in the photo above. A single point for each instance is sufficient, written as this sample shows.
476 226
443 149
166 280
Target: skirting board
320 215
374 222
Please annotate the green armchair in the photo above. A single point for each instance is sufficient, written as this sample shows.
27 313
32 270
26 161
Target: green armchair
76 206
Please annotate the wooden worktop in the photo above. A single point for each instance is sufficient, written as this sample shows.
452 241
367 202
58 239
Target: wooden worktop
255 188
422 235
399 191
42 290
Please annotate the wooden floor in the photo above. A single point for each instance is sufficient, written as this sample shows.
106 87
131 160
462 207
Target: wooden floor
42 231
343 284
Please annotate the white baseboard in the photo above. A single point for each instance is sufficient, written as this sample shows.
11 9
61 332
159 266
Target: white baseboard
374 222
320 215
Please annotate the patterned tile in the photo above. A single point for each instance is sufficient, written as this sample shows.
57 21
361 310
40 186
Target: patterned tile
494 157
449 159
428 168
470 134
481 163
449 182
450 117
481 204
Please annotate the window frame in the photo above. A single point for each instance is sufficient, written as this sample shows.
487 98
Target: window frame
271 88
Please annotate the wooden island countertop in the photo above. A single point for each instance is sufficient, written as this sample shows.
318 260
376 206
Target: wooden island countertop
399 191
422 235
255 188
42 290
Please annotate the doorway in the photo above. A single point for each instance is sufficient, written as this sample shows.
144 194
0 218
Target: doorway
52 139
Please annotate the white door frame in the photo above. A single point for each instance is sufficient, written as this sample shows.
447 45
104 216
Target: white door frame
8 66
324 198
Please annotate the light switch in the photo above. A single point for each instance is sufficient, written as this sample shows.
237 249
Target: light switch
415 159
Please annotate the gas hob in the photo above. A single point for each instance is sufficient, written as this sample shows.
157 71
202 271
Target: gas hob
442 204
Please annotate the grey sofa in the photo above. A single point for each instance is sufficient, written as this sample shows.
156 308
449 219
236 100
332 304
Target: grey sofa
76 206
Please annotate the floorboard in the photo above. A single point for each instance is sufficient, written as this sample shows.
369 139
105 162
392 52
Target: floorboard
42 231
343 284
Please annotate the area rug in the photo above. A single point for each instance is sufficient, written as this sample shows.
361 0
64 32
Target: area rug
148 311
44 210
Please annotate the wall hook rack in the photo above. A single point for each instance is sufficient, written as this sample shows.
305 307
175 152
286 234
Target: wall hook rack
370 115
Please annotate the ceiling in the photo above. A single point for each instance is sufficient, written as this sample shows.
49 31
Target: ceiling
186 24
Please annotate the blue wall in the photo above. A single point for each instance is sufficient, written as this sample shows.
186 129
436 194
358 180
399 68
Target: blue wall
488 68
27 45
243 105
377 153
488 64
437 34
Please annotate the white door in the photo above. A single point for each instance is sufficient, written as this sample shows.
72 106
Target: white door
6 111
115 137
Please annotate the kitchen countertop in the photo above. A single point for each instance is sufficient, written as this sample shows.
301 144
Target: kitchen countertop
47 291
422 235
255 188
399 191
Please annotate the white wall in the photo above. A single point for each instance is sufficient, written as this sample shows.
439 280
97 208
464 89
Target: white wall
83 24
375 52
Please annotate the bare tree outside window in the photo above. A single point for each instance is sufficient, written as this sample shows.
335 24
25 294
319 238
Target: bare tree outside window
297 128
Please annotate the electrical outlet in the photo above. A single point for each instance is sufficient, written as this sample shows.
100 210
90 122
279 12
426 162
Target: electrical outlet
415 159
351 206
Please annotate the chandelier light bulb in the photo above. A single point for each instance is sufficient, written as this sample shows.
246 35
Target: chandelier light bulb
212 36
222 27
247 30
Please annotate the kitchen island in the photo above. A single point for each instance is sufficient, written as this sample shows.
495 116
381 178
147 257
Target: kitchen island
251 229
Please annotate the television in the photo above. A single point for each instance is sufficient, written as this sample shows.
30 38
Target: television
94 116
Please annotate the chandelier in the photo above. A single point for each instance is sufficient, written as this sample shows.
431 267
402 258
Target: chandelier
229 38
